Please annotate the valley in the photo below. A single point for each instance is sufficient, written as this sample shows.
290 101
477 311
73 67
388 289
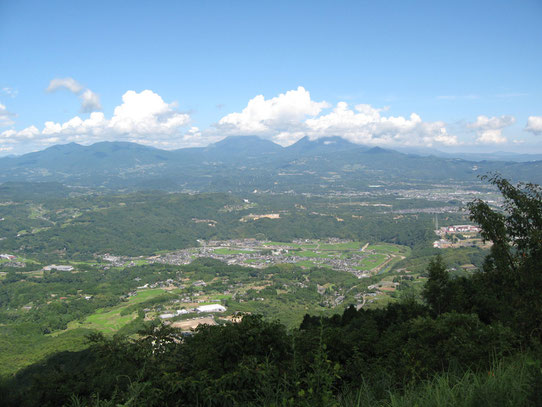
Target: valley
76 262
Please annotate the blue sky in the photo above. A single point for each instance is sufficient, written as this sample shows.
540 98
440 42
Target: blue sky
457 76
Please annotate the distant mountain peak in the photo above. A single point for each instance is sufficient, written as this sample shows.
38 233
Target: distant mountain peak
239 162
67 146
244 145
243 140
322 144
377 150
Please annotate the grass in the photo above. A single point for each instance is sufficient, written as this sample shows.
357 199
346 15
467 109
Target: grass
309 253
372 261
506 383
144 295
162 252
110 320
385 248
26 349
219 297
322 246
390 265
36 211
18 259
293 245
37 273
342 246
90 263
37 230
231 251
380 301
335 250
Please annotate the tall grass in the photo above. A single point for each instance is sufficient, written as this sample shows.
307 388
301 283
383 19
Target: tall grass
513 383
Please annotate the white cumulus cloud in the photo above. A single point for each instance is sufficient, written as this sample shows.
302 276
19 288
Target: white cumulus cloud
9 92
366 125
6 117
28 133
146 113
293 115
142 117
262 116
90 101
534 125
67 83
489 129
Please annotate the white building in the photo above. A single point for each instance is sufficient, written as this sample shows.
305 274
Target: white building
59 268
211 308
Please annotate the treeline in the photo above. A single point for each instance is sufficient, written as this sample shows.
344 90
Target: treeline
464 325
255 362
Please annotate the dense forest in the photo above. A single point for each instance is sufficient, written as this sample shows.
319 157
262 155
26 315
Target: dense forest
473 341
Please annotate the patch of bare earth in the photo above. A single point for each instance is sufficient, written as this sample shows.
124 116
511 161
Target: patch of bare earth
193 323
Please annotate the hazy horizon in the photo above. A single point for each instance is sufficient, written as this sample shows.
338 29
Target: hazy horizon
404 149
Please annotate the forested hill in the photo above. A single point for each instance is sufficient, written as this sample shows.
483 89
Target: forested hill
248 163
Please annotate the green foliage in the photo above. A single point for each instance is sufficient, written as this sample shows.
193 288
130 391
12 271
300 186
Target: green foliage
255 361
506 382
435 293
512 281
145 223
475 340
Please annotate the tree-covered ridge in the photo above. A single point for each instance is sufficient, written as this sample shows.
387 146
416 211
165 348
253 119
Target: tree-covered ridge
463 325
144 223
242 164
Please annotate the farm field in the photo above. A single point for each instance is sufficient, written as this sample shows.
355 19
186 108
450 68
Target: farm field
360 258
112 319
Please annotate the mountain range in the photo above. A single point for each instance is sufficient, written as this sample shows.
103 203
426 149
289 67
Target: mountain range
248 162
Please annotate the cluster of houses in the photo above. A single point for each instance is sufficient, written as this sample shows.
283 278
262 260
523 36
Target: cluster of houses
458 229
256 254
159 284
11 261
118 261
443 243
